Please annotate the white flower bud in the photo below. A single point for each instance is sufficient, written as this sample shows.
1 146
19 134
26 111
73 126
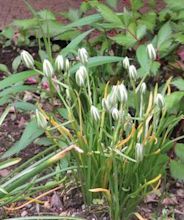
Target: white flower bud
143 88
122 93
126 63
95 113
81 75
27 59
159 101
83 55
41 120
47 68
67 65
108 103
59 63
114 94
139 152
132 72
115 114
151 52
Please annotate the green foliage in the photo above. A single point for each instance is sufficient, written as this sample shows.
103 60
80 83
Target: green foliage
101 152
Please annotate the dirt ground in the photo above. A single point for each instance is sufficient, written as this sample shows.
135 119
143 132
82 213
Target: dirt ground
16 9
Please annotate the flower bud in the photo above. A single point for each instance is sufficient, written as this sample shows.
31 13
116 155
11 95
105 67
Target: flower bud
122 93
132 72
139 152
81 75
114 94
115 114
48 69
143 88
159 101
27 59
67 65
151 52
108 103
83 55
95 113
59 63
41 120
126 63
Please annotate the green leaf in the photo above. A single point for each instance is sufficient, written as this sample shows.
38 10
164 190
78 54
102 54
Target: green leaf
155 67
63 112
26 23
141 31
180 151
88 20
16 63
43 141
149 19
177 169
43 55
173 100
113 4
16 89
72 14
179 37
15 78
74 43
179 83
4 68
25 106
175 5
9 163
97 61
31 132
125 40
46 15
8 32
109 15
143 59
136 4
164 34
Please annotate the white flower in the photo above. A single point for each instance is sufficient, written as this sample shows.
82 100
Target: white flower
139 152
126 63
59 63
159 101
108 103
81 75
83 55
122 93
151 52
41 120
95 113
114 94
143 88
132 72
47 68
115 113
27 59
67 65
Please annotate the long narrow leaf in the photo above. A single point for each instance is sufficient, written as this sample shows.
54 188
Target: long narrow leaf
9 163
98 61
15 78
31 132
74 43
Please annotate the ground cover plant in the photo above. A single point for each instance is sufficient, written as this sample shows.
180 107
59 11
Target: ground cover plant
108 129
